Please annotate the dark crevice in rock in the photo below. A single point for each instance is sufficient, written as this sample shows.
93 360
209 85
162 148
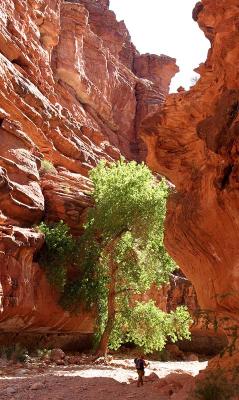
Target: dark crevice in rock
223 181
233 112
20 62
34 340
220 130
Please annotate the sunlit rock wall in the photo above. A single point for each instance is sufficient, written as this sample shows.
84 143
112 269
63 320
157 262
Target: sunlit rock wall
73 90
193 141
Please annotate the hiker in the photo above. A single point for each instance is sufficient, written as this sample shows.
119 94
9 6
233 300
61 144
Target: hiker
140 365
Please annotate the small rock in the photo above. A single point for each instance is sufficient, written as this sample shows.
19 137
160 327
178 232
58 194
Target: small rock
22 372
175 352
57 354
10 390
180 89
152 377
60 362
192 357
37 386
47 361
77 360
100 360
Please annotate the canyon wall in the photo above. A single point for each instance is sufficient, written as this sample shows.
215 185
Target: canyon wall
73 90
193 140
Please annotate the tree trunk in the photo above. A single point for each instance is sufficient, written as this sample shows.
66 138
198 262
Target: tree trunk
104 341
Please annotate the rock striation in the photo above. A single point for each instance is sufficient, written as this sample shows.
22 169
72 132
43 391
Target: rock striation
73 90
193 140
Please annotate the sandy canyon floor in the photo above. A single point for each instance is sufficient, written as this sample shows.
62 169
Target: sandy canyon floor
117 380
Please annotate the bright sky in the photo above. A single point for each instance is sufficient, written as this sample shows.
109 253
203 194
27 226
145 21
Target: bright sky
165 27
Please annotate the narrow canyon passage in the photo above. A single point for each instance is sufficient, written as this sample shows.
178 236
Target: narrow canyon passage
74 90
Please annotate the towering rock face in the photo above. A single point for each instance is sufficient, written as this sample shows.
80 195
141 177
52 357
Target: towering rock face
193 141
73 90
156 74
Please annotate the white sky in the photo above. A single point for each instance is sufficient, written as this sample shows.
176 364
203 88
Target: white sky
165 27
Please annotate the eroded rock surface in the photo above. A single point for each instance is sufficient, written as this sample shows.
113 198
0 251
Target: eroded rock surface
193 141
73 90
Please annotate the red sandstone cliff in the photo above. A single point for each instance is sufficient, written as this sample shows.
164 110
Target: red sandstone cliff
193 141
73 90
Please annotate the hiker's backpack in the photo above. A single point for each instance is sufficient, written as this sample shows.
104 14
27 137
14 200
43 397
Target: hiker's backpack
139 363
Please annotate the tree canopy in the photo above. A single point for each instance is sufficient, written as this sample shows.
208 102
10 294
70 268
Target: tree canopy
122 251
121 255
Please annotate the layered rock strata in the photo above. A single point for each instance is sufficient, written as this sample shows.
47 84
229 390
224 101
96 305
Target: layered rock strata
73 90
193 141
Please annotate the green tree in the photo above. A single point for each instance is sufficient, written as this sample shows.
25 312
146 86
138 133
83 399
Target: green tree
122 251
59 251
149 327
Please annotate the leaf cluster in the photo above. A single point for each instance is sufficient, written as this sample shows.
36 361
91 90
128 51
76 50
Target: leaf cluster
148 327
47 166
127 198
130 207
60 250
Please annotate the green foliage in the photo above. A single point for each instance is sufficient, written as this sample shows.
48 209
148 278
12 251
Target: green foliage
59 252
215 386
149 327
125 229
128 218
42 353
127 198
88 287
47 166
122 245
14 352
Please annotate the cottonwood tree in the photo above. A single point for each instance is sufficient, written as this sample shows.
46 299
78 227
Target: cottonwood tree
121 251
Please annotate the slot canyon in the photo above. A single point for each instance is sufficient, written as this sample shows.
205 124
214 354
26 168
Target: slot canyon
75 90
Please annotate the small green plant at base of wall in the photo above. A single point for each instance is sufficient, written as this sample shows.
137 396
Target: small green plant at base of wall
59 252
14 352
216 386
43 353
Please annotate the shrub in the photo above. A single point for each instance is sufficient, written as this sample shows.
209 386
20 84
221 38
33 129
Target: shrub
42 353
47 166
59 252
14 352
215 386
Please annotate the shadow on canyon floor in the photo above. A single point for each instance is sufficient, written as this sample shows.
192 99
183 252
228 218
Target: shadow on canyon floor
97 381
